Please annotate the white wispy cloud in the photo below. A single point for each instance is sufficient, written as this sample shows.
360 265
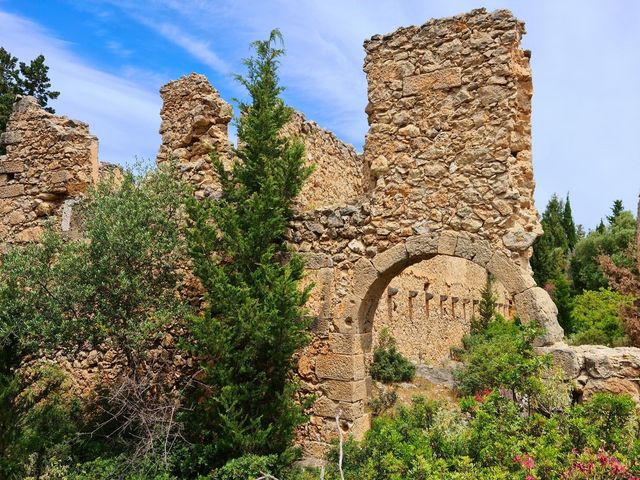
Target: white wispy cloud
199 49
123 114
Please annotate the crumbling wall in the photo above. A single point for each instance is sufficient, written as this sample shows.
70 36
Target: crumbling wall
449 140
337 168
194 121
50 162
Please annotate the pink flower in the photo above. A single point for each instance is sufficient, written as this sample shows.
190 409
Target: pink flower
526 461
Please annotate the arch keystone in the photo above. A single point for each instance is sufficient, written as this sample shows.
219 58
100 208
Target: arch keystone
447 243
422 245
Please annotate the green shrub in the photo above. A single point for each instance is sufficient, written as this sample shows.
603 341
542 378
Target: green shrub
388 364
117 283
247 467
494 440
502 357
596 318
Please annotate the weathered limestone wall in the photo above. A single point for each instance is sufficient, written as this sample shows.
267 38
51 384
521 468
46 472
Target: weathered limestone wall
50 161
596 368
449 140
338 170
428 307
194 120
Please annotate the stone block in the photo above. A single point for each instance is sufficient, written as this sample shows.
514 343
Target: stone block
14 190
316 261
394 257
325 407
360 426
347 391
422 245
11 166
484 252
438 80
514 279
615 385
345 314
30 234
334 366
536 304
465 247
312 449
565 357
10 137
364 274
350 344
447 243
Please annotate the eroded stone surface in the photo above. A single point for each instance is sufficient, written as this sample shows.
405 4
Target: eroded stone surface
49 161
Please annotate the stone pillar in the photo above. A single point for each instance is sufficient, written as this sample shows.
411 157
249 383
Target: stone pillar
194 122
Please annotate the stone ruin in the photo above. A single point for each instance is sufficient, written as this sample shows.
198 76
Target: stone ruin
445 184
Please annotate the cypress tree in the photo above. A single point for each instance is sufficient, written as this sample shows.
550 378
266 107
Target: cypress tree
551 248
254 320
569 225
487 305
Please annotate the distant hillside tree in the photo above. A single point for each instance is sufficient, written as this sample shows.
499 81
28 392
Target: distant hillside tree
551 255
22 79
550 250
569 225
612 240
616 209
254 321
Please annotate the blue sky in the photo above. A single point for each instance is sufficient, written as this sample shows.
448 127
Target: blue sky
110 57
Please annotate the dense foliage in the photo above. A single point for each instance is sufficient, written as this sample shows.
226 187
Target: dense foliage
491 439
254 321
22 79
575 267
502 357
389 365
116 286
597 317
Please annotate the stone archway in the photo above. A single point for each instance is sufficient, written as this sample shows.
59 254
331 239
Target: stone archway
348 294
371 276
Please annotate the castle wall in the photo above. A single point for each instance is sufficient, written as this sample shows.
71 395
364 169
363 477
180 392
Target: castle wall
50 161
337 175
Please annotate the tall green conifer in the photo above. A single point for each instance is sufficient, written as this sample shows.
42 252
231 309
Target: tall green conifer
569 225
254 320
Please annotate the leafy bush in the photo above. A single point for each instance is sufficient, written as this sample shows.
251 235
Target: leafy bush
502 357
388 364
247 467
118 284
612 240
596 318
494 440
